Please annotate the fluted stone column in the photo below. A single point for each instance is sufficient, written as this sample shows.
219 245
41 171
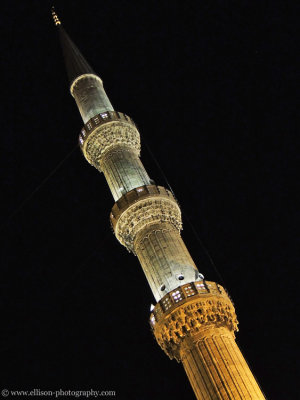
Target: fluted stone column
216 367
164 258
123 170
110 142
147 221
195 324
90 96
194 321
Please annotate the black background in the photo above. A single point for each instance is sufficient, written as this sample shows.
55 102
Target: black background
210 85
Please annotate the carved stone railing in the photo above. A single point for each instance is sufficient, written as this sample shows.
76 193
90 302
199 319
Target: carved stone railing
104 132
99 120
188 310
141 207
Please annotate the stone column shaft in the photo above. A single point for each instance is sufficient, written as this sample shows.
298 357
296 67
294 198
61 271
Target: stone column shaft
147 220
216 367
123 170
164 258
194 321
90 96
110 142
195 324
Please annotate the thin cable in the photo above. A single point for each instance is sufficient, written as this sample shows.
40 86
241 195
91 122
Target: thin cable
21 205
185 214
204 248
158 165
91 254
53 296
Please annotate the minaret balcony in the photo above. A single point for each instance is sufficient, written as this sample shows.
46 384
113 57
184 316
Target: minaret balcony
141 207
105 131
189 309
99 120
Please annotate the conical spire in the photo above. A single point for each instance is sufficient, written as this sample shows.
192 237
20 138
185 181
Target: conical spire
76 64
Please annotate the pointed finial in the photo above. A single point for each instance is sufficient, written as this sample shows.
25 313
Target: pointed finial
55 17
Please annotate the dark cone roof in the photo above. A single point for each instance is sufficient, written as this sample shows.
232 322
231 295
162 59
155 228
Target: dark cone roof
75 62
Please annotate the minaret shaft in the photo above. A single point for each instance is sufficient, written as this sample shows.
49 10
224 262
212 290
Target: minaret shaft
194 320
123 170
216 367
196 325
151 230
164 258
90 96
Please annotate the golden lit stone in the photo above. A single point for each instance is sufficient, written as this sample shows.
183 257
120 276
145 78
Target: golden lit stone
195 324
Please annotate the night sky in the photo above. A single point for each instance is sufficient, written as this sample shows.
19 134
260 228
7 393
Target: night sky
211 87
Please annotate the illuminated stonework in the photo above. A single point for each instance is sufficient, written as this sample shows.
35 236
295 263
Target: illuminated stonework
105 131
194 320
164 258
140 208
75 83
110 142
195 324
147 221
189 309
90 96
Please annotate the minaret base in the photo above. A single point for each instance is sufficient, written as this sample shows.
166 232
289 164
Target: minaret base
195 324
216 367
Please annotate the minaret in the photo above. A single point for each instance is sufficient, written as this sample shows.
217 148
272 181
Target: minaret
194 320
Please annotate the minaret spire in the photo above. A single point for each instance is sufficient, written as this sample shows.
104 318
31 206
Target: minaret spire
76 64
85 85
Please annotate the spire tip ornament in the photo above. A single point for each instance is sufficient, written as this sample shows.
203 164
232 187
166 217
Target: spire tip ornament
55 17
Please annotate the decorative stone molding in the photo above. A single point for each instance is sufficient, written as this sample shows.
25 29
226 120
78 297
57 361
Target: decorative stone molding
141 207
83 76
106 130
189 310
139 240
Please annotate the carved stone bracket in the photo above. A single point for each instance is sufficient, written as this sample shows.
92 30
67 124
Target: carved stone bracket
105 131
192 316
142 207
